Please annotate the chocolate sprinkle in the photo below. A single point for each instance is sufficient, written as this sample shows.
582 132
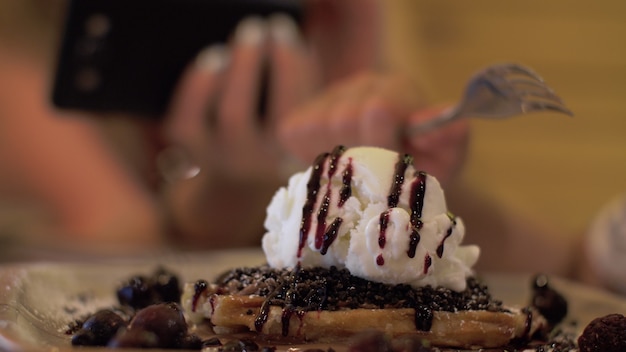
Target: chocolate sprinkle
335 289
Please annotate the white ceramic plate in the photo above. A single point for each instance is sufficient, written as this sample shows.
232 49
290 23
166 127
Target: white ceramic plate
37 301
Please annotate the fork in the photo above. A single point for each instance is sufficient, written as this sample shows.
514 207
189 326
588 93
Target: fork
496 92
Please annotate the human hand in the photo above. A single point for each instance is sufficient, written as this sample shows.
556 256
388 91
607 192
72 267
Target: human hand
215 123
342 38
346 36
374 109
214 114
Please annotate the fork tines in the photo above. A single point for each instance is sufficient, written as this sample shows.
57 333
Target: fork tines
529 87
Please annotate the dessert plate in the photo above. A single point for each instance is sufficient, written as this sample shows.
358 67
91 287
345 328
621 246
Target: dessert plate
38 300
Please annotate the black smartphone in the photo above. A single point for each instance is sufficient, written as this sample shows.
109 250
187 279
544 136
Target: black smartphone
127 55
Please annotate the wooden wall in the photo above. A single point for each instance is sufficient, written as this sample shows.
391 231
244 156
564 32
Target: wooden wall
547 165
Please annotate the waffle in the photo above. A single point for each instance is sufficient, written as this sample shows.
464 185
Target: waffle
278 304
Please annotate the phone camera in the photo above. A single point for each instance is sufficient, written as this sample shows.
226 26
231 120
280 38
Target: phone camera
97 25
96 28
87 79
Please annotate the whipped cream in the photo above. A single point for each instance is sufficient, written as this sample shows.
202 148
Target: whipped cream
368 210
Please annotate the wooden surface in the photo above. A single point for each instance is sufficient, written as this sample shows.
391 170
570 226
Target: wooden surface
551 166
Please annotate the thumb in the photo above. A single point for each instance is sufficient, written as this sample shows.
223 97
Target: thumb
440 151
428 113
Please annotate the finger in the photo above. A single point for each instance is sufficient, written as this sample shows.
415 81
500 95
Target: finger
292 78
237 119
426 141
297 133
321 123
386 111
380 124
197 89
343 121
346 35
346 110
339 112
441 152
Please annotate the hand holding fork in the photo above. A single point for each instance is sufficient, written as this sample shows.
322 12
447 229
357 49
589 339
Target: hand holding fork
499 91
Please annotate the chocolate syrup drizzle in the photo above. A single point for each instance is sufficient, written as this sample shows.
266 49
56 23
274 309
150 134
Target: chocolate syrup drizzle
312 187
398 180
326 235
416 200
382 225
346 188
198 288
448 234
392 201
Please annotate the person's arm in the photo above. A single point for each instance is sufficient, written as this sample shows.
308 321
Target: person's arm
511 241
214 118
62 163
373 108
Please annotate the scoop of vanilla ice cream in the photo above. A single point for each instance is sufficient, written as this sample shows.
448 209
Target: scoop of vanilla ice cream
368 210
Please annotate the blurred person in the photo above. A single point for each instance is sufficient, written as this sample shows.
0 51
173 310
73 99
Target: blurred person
61 166
95 179
369 105
603 247
99 192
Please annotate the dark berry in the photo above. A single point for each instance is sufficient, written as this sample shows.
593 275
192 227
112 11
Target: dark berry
84 338
98 329
549 302
166 320
243 345
211 342
136 293
423 318
191 342
166 286
606 334
135 338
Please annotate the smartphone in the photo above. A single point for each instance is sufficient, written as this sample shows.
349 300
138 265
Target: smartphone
127 55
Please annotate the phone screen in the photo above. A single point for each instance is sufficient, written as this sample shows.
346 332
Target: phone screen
127 55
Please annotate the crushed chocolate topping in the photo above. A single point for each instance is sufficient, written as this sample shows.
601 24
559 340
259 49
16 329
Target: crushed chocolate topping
335 289
606 334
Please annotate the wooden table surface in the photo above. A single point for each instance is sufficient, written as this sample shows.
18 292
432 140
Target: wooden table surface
548 165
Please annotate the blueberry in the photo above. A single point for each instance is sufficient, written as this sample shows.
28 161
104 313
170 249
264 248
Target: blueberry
140 291
191 342
166 286
166 320
211 342
136 338
84 338
550 303
98 329
136 293
243 345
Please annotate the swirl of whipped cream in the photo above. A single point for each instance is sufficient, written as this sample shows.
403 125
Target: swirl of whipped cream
368 210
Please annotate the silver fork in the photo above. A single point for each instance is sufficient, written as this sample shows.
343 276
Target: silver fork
497 92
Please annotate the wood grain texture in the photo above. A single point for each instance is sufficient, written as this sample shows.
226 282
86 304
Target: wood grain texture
551 166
